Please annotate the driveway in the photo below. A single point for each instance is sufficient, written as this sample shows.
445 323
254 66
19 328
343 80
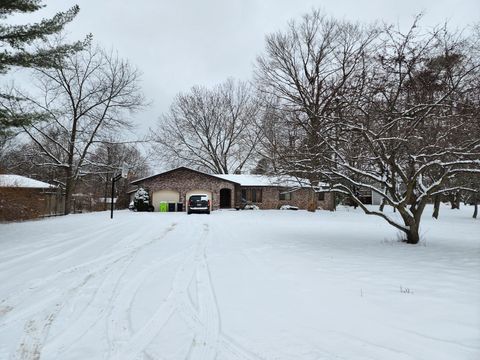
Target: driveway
237 285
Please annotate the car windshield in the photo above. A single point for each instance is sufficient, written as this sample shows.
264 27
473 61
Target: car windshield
198 197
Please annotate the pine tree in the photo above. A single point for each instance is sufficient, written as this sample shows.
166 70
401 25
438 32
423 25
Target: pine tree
17 50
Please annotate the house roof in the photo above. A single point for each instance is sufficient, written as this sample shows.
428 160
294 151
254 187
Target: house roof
18 181
179 168
264 180
245 179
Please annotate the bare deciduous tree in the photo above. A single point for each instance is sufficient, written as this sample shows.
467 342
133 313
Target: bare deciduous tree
105 162
210 129
307 73
85 96
398 117
412 125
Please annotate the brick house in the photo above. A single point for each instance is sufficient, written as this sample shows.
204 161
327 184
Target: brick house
231 191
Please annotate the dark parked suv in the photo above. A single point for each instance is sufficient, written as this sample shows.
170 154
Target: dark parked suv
199 203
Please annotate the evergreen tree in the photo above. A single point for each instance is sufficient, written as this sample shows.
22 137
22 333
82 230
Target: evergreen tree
142 200
19 48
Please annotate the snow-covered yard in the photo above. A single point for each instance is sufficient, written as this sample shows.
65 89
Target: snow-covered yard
239 285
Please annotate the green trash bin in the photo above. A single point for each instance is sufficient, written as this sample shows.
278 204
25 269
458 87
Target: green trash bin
163 207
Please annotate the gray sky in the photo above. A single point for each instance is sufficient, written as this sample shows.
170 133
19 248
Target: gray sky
181 43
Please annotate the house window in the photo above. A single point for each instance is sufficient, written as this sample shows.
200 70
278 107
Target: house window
285 195
321 196
252 195
256 195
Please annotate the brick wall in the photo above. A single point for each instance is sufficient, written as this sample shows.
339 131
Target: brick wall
25 203
328 203
300 198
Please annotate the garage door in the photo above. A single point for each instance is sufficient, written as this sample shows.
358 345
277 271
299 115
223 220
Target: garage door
197 192
164 195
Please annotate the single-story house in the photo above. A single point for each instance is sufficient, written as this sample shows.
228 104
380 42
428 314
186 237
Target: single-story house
232 190
23 198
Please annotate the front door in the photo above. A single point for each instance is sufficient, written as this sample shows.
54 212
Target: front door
225 198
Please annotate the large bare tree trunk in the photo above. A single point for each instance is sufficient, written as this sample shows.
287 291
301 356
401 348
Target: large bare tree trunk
436 206
412 231
69 188
382 205
413 236
455 200
475 211
105 193
312 204
412 219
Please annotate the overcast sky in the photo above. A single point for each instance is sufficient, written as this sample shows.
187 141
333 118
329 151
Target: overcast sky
180 43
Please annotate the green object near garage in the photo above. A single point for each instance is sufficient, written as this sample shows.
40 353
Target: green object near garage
163 206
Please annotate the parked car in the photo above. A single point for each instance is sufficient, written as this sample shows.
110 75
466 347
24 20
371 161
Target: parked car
198 203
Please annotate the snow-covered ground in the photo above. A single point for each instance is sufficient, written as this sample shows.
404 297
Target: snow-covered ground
239 285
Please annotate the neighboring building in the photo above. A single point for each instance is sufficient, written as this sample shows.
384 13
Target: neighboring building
231 191
370 197
376 198
22 198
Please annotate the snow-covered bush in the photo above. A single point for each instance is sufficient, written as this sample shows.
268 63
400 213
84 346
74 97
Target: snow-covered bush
142 200
251 207
142 195
288 207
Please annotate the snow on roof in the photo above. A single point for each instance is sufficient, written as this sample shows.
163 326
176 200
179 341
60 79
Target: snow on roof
246 179
18 181
264 180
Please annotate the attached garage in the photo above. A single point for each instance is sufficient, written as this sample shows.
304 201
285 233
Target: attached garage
197 192
169 196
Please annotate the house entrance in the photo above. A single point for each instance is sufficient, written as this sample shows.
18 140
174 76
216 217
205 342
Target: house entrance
225 198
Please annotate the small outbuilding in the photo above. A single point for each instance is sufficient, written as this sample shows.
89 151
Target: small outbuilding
23 198
231 190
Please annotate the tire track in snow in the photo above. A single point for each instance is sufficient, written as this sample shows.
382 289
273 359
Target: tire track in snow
226 344
205 320
206 341
37 328
35 314
140 340
206 323
30 291
97 306
35 332
46 249
119 327
37 284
